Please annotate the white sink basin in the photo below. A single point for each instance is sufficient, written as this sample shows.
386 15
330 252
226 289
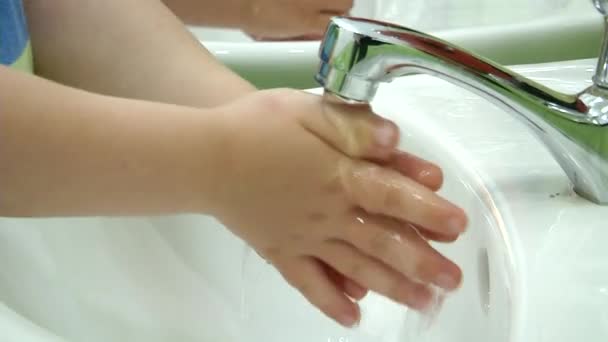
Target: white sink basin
547 241
534 258
508 32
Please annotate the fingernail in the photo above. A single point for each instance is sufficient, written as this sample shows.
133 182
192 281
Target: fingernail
446 281
385 134
348 320
421 299
456 225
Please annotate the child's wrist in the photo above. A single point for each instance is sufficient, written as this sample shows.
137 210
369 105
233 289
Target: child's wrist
209 161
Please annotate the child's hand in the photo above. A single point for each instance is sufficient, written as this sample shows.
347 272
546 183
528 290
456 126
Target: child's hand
288 19
300 188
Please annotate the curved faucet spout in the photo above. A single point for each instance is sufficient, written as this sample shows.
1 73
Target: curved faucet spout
358 54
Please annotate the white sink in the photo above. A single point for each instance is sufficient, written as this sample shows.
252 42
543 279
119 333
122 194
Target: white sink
508 32
548 242
534 258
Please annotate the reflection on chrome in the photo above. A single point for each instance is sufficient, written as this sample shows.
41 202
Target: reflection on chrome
358 54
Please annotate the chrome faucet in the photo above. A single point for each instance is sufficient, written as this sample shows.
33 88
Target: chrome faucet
358 54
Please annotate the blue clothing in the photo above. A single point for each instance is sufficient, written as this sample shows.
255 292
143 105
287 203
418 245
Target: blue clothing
14 36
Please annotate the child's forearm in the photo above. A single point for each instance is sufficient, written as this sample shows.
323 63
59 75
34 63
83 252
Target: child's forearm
127 48
68 152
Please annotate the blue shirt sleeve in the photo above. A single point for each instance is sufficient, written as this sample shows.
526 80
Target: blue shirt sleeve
14 36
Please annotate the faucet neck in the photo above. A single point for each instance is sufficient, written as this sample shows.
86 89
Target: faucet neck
601 73
357 54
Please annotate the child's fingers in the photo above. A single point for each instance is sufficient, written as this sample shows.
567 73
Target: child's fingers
308 276
403 249
352 129
418 169
350 287
353 289
430 235
386 192
378 277
433 236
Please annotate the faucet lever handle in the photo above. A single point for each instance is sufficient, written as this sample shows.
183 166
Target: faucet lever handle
602 6
601 73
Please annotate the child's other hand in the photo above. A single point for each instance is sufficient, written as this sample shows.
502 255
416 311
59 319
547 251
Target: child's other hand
301 188
288 19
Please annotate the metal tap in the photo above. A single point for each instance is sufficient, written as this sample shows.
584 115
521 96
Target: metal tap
358 54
